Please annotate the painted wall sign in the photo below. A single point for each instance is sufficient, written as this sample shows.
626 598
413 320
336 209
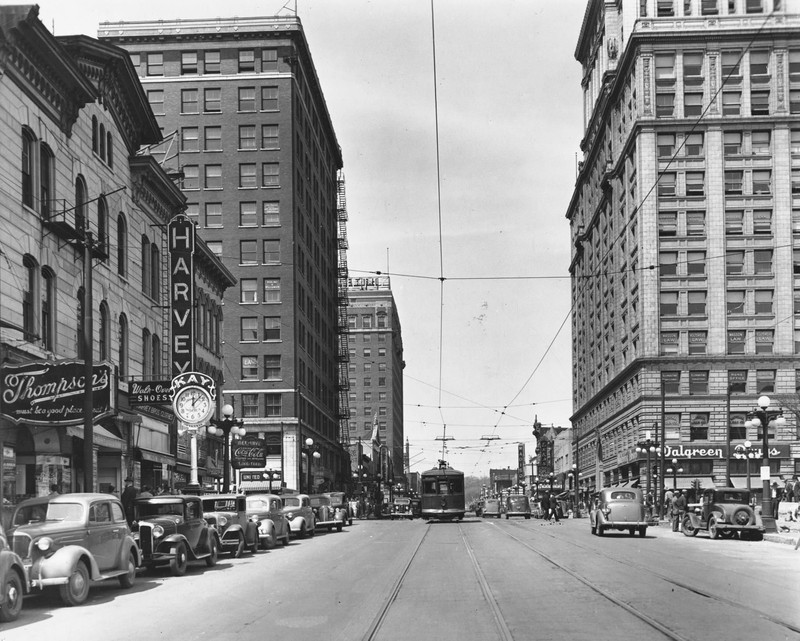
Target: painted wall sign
249 451
150 393
181 263
47 393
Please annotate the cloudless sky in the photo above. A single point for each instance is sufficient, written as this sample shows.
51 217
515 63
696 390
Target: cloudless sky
509 105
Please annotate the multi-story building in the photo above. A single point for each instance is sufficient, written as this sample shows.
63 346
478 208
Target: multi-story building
258 161
685 229
375 374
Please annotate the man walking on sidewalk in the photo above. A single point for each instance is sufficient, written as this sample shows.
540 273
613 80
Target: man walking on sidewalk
678 510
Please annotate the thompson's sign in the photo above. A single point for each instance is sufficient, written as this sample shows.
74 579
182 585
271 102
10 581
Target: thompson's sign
249 451
181 292
48 393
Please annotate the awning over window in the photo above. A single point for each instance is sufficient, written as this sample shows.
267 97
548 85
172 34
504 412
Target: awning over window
100 436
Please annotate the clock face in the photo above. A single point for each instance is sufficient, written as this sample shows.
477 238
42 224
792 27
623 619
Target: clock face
193 405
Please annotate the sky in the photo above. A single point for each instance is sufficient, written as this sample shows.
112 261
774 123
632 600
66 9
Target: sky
470 224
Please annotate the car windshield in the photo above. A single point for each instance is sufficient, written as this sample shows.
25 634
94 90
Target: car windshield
291 501
159 509
492 504
69 512
402 501
219 505
518 502
317 501
622 496
732 497
257 504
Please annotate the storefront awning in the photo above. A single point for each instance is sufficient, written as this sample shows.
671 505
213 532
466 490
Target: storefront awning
706 482
157 457
755 481
100 435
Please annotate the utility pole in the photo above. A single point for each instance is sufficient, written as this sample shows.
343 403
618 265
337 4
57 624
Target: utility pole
88 370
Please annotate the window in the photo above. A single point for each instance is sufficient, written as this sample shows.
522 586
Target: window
797 341
48 309
249 368
248 290
760 142
732 143
698 425
694 145
270 174
733 183
665 8
692 104
212 100
669 343
272 328
666 145
247 137
269 137
734 262
734 223
731 70
735 301
696 263
247 98
794 141
248 252
762 221
273 404
269 60
762 261
271 214
190 139
188 63
667 224
765 341
269 99
272 252
122 246
759 67
145 260
665 69
796 262
669 303
795 182
794 65
666 184
737 381
213 177
665 104
213 215
104 338
272 290
212 60
794 101
695 183
248 328
28 167
671 382
249 405
247 61
668 263
698 342
762 181
731 103
763 298
698 382
754 6
247 176
736 341
709 8
272 367
759 102
697 303
695 223
247 214
765 381
189 101
123 347
155 64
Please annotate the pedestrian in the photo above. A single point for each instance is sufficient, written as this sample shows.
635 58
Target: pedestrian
668 496
776 494
796 489
554 507
164 489
145 493
54 489
546 506
678 510
128 497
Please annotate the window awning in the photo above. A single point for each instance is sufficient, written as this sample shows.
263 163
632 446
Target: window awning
755 481
706 482
157 457
100 436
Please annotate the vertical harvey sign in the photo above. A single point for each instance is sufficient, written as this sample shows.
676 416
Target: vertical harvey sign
181 264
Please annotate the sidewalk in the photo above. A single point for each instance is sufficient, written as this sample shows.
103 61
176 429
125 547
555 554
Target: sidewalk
790 537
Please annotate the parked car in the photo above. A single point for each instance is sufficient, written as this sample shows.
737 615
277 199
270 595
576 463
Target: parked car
297 508
13 579
338 500
725 513
267 511
492 508
72 540
171 529
325 514
401 509
619 509
227 514
518 505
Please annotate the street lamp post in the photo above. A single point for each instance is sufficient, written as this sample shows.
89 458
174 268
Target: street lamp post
574 474
227 425
551 477
270 474
674 470
310 451
648 447
746 452
762 417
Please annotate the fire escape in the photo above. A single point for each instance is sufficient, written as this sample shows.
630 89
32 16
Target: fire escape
341 302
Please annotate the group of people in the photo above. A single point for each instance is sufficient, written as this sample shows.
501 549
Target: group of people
550 508
131 493
675 508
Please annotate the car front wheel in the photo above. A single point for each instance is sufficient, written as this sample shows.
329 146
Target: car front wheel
12 591
126 580
179 562
713 529
76 590
211 559
688 527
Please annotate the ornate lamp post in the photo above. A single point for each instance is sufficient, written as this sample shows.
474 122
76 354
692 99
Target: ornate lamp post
270 474
227 425
551 477
573 473
310 451
648 447
674 470
762 417
745 451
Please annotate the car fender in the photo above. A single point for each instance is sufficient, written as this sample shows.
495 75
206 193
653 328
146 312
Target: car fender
267 527
10 562
128 546
693 519
62 563
169 542
233 532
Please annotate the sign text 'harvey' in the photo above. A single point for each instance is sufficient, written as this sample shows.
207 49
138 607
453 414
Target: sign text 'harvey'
181 263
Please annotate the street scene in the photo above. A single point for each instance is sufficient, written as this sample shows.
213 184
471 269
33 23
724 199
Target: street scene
430 319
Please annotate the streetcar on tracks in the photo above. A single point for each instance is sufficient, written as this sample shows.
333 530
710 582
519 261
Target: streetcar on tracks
443 494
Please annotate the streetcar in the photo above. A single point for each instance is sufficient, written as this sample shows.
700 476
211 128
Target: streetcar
443 494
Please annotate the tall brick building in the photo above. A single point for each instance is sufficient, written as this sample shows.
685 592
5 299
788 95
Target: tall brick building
258 160
685 229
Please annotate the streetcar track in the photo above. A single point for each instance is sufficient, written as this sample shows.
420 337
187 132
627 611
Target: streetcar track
671 580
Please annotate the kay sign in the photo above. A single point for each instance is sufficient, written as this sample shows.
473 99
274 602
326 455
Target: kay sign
181 265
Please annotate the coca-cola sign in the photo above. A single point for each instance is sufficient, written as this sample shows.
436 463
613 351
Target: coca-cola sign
249 451
51 393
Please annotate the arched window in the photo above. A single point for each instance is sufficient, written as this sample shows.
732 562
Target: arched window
109 150
95 147
101 136
103 345
28 163
46 173
80 204
79 324
48 309
156 357
123 347
102 225
122 245
155 272
30 296
147 353
145 264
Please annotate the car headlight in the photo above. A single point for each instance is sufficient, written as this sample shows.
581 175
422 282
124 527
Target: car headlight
44 544
158 531
222 521
290 516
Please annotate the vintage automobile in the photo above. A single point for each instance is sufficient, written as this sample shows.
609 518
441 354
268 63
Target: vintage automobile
492 508
297 508
338 500
325 514
227 514
267 511
71 540
170 529
518 505
619 509
401 509
13 579
725 513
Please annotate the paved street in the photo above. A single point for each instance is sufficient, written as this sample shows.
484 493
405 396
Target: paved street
477 580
